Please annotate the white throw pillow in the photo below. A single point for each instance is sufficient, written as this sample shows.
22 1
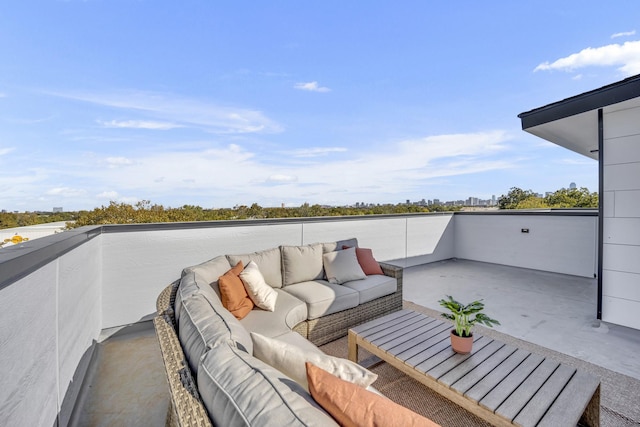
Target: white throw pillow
290 360
262 295
342 266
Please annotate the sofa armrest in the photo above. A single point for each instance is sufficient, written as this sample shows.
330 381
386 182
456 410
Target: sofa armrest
391 270
186 407
394 271
166 300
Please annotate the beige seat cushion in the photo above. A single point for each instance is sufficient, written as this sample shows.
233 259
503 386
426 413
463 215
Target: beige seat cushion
323 298
289 311
373 287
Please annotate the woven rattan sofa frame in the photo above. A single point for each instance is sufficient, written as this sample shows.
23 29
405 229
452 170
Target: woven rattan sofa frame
186 407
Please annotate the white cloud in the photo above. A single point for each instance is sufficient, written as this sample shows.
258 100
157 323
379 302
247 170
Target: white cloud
4 151
139 124
312 87
623 34
132 200
233 174
66 192
317 151
115 162
111 195
626 56
282 179
179 111
579 161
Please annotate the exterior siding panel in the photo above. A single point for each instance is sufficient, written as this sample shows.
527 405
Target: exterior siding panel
621 206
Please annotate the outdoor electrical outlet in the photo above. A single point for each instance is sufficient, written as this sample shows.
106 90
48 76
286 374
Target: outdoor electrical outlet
524 230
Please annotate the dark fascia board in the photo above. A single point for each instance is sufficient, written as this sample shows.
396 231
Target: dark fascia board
624 90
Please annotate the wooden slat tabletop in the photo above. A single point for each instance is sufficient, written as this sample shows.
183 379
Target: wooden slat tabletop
505 384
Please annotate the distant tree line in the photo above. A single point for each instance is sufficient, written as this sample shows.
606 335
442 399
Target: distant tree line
146 212
12 220
518 198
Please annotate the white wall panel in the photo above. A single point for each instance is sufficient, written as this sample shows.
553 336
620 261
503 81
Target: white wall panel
430 236
608 200
554 243
621 239
28 318
627 204
621 311
622 231
622 123
621 258
621 285
622 150
622 177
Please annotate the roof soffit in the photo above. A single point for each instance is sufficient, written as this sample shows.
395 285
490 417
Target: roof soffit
573 122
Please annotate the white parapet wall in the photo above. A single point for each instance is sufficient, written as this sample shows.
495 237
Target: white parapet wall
49 321
557 243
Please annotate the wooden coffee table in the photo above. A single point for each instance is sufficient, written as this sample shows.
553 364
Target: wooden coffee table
498 382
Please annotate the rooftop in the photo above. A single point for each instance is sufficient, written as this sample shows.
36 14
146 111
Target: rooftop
84 297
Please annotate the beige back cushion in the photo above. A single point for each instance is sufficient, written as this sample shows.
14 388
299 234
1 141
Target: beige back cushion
301 263
268 262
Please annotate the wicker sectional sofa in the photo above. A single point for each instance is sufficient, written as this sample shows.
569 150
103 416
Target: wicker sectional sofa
214 378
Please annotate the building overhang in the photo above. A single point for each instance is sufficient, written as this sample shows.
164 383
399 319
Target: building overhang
573 122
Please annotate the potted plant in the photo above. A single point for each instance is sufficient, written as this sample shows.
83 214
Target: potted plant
461 336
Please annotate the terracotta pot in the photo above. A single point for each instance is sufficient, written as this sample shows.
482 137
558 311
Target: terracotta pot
461 345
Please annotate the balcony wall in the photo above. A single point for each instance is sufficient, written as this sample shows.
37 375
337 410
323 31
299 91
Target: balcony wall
57 293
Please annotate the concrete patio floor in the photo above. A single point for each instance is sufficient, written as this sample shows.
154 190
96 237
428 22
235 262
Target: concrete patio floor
126 383
556 311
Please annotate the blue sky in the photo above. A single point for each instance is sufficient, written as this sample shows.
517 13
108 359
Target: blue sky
224 103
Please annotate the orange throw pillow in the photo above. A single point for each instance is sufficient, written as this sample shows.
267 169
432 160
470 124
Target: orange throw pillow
233 294
366 260
352 405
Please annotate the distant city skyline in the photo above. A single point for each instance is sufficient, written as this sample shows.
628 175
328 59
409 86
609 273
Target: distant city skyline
469 201
223 104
